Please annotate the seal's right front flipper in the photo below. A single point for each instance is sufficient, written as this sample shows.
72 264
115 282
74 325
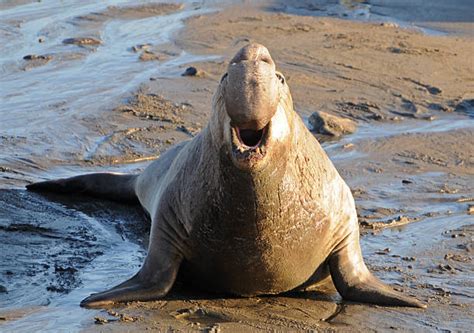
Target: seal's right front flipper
152 282
355 282
112 186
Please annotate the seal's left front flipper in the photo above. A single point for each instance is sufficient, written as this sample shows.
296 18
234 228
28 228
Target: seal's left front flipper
355 282
152 282
131 290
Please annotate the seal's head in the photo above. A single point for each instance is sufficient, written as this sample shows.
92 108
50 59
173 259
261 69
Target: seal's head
253 107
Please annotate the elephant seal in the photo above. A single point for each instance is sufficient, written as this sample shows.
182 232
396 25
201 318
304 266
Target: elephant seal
252 205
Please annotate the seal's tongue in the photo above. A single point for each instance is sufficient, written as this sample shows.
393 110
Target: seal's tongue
251 95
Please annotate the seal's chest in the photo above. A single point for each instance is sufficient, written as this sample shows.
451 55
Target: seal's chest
261 252
257 236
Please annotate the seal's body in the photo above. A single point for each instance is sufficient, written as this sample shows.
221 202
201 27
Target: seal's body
252 205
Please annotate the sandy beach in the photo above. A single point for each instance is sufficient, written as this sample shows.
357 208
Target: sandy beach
102 89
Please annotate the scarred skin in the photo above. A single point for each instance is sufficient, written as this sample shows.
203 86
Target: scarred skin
263 218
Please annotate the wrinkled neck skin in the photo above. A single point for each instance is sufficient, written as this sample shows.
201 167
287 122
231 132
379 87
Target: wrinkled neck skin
270 172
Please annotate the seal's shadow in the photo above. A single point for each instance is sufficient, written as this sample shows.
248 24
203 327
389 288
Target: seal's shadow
129 219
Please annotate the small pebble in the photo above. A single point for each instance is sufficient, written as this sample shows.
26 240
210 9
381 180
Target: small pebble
192 71
37 57
446 267
113 313
141 47
470 209
126 318
389 25
82 41
100 321
384 251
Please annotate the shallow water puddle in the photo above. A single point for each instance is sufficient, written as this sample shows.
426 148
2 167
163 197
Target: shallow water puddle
57 104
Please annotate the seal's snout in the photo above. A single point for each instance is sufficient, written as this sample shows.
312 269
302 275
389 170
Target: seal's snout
251 92
253 52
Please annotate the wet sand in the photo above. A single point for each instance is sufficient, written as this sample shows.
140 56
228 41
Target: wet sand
410 165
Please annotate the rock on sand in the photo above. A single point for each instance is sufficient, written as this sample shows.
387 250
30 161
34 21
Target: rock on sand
327 124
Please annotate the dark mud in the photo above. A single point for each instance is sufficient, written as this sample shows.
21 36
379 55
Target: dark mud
49 244
47 240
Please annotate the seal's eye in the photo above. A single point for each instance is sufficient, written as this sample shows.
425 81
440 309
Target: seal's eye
281 78
223 77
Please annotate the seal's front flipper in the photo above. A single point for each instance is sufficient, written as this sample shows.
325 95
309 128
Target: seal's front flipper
131 290
355 282
152 282
112 186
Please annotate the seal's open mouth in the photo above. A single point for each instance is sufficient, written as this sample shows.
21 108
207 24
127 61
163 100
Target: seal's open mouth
249 146
250 138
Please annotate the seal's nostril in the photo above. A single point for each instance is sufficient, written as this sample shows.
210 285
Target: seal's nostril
224 76
280 77
266 59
